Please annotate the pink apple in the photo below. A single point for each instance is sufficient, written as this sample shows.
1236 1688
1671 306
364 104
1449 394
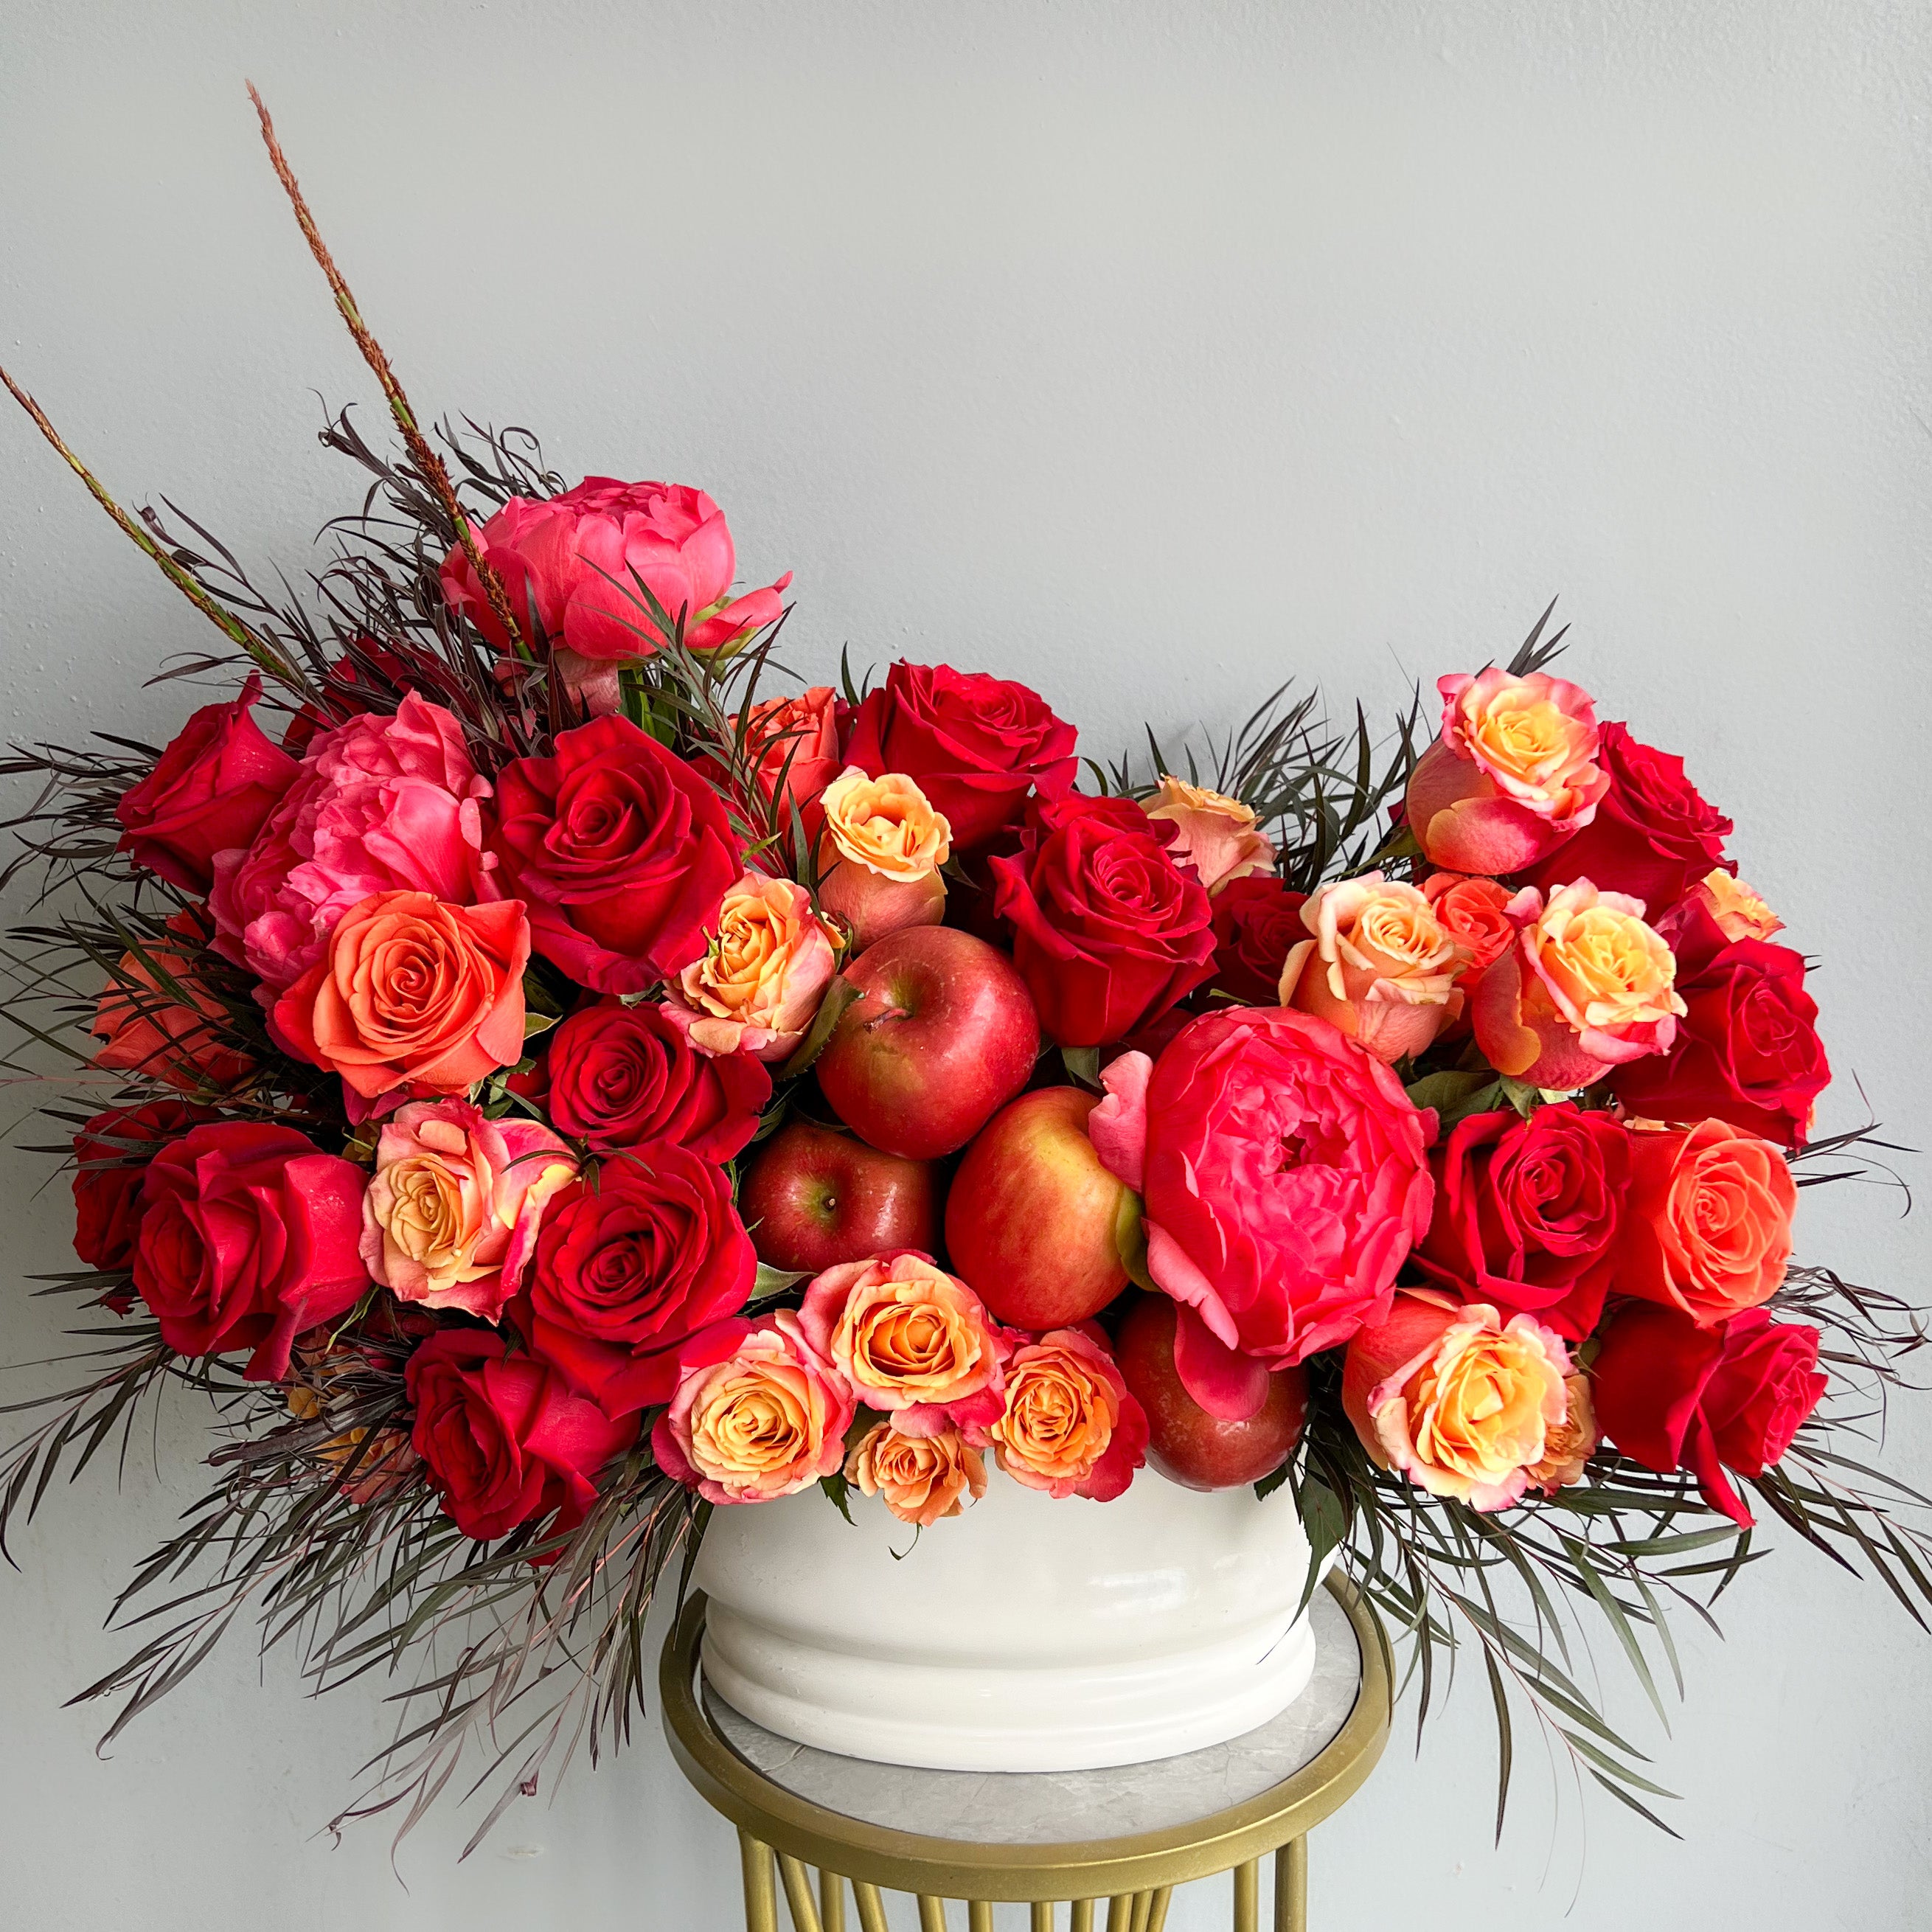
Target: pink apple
1034 1222
1185 1443
814 1197
873 906
942 1032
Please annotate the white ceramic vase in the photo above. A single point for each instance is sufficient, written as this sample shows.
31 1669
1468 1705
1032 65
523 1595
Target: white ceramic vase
1025 1635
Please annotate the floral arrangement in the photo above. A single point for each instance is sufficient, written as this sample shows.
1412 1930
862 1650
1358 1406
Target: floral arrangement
549 1084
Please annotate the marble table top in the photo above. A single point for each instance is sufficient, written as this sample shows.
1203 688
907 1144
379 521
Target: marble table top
1062 1807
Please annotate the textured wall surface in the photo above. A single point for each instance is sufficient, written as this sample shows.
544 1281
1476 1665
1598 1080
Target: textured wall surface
1154 354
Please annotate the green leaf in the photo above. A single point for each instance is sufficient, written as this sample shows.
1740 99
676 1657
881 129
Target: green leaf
1083 1064
838 996
1324 1521
1268 1484
1446 1091
839 1489
1130 1241
771 1281
1520 1095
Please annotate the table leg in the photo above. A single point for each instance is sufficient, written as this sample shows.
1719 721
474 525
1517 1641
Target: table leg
1043 1915
932 1913
1157 1909
1248 1896
978 1915
1291 1886
761 1898
1082 1917
831 1901
872 1906
1121 1912
798 1894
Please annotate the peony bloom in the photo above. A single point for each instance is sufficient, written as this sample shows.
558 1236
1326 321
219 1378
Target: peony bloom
1069 1426
792 744
621 850
1219 837
912 1341
1381 967
1257 921
570 565
451 1215
921 1479
211 788
159 1020
1738 911
1708 1228
1512 776
1284 1172
758 985
1569 1444
1474 913
413 994
620 1075
1671 1395
976 745
1461 1402
249 1237
1587 986
758 1413
506 1442
381 804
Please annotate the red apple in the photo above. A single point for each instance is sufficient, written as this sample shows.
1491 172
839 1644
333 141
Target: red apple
873 906
815 1197
1185 1443
1033 1221
942 1032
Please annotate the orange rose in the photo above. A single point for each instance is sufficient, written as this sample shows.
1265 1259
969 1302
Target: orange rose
885 824
158 1019
761 979
1739 912
1380 968
794 742
1457 1400
1069 1427
413 993
1472 912
1568 1445
920 1478
1708 1228
1219 836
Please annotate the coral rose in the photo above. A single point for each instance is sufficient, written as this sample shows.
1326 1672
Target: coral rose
249 1237
1460 1400
1512 776
1070 1426
1219 837
1528 1212
912 1341
451 1215
758 1413
1381 967
1708 1228
1671 1395
757 988
1652 835
921 1479
506 1442
381 804
1587 986
622 850
792 745
620 1075
413 994
571 564
631 1266
1474 913
111 1154
1257 920
1284 1172
211 789
158 1018
1109 932
976 745
1747 1050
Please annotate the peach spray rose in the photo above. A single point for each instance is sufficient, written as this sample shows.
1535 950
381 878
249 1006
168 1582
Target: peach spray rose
880 857
921 1479
1219 836
761 979
1070 1427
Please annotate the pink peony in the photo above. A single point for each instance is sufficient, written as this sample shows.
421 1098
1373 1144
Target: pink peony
381 804
450 1218
1285 1174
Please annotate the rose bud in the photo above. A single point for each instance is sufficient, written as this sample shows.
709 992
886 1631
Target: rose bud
1740 913
1380 969
921 1479
1219 837
879 854
1512 776
758 985
1474 913
1587 986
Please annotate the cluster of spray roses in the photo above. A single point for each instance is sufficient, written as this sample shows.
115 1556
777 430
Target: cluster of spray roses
537 1196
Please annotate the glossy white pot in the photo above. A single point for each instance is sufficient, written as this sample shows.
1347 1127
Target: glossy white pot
1025 1635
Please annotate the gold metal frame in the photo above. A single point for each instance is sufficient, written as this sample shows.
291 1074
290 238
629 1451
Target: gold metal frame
1135 1875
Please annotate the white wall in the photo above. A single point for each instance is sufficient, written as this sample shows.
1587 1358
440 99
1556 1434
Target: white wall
1151 353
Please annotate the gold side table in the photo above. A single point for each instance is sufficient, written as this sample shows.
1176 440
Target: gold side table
1028 1837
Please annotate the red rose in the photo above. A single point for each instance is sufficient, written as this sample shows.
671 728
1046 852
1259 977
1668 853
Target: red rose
1527 1213
1654 836
630 1266
111 1154
1108 932
622 1075
506 1441
1747 1049
211 789
622 851
249 1237
1671 1395
976 745
1256 920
